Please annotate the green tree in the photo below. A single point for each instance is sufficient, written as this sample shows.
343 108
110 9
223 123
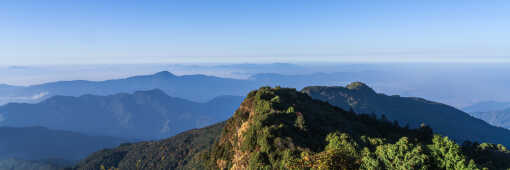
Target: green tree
402 155
448 155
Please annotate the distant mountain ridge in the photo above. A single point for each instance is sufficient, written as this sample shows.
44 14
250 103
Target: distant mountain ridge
487 106
411 111
500 118
197 87
192 87
148 114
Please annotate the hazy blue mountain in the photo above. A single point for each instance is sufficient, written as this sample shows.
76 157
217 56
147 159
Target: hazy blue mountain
445 83
191 87
486 106
37 143
199 88
424 80
499 118
143 114
444 119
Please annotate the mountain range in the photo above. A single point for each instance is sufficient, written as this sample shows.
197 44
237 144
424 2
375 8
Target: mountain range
128 109
192 87
411 111
199 88
424 80
279 128
146 115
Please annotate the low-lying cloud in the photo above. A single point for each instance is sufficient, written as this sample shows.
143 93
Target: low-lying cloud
33 98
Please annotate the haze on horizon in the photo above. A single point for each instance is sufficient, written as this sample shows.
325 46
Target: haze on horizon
108 32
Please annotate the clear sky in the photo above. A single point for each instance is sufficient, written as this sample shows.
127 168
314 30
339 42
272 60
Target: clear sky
151 31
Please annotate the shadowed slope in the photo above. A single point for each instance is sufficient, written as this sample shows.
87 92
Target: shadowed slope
445 119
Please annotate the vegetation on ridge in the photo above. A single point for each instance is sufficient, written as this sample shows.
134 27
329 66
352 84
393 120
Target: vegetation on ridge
280 128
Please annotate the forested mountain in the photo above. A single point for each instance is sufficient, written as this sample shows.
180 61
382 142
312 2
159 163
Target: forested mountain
499 118
39 143
444 119
178 152
277 128
143 115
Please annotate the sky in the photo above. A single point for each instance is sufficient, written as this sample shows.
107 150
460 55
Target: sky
63 32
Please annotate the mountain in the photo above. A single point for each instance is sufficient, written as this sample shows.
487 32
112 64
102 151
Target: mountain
486 106
177 152
192 87
36 143
411 111
198 88
500 118
144 114
280 128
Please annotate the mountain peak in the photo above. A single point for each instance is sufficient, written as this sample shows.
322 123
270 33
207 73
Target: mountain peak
359 86
164 73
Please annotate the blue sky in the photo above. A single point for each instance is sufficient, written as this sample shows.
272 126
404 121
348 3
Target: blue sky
99 32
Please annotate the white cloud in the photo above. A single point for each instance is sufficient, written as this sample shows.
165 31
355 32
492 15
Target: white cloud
28 99
33 97
39 96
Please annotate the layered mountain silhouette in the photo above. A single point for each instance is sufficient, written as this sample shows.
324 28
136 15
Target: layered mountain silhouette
192 87
200 88
148 114
280 128
39 143
411 111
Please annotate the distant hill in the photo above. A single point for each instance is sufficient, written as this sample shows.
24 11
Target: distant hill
444 119
486 106
279 128
38 143
500 118
144 114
